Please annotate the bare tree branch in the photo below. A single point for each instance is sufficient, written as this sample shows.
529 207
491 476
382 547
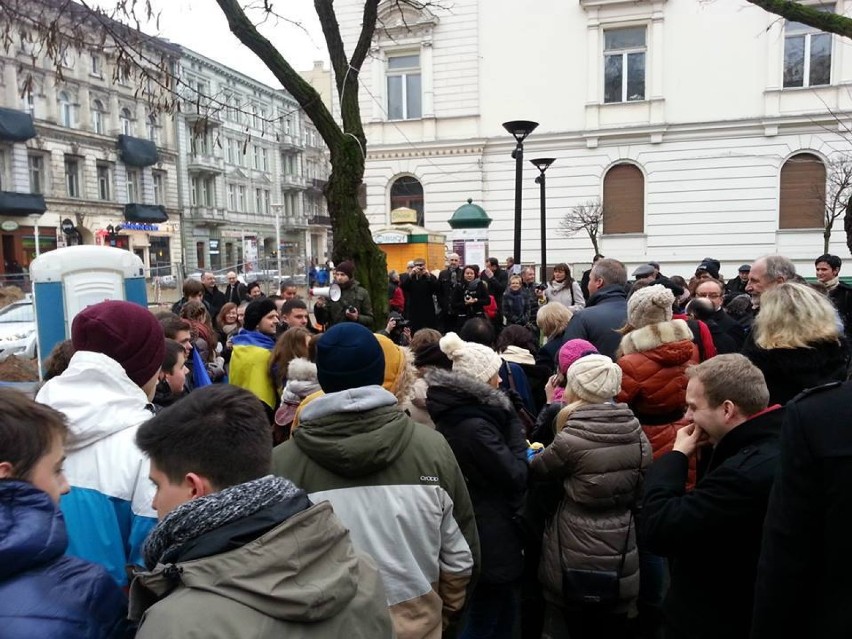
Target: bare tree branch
586 217
809 15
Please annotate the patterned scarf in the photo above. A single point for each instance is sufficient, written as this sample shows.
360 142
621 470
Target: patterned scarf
197 517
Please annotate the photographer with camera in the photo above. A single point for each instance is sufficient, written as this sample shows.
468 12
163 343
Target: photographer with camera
398 329
421 289
354 304
471 298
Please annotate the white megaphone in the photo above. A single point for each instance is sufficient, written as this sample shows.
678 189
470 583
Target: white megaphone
332 292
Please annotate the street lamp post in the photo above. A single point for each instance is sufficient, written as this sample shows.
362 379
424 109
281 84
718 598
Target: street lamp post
519 129
541 164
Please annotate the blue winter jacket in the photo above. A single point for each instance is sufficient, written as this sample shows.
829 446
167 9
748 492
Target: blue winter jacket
43 592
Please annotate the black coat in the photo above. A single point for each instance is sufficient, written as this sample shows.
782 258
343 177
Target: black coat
476 288
712 534
841 297
803 586
235 293
484 432
215 300
605 313
789 371
419 302
730 327
448 280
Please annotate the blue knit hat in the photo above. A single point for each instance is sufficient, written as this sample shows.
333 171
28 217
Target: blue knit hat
349 356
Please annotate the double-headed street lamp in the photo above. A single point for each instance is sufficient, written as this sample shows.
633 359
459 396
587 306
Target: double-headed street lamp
541 164
520 129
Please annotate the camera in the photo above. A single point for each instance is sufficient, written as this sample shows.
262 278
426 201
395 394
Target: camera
469 297
541 287
351 310
402 323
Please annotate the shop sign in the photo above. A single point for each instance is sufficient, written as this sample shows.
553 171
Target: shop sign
390 238
9 225
139 226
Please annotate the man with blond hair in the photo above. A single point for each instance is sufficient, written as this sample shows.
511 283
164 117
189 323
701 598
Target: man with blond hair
711 535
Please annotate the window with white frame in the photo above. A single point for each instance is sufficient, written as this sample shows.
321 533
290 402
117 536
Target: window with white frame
72 176
258 200
256 155
152 130
66 110
807 54
624 64
125 120
403 80
232 197
28 102
133 190
159 179
98 120
241 198
35 166
104 173
264 158
95 64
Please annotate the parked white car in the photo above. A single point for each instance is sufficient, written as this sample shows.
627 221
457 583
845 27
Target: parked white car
18 330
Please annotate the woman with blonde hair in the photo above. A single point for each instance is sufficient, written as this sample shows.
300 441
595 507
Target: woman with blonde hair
599 455
797 341
552 320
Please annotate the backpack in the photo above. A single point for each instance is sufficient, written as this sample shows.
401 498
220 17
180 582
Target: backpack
491 310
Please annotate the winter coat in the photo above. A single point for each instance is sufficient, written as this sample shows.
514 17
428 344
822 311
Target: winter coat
396 298
570 297
44 592
250 355
351 294
485 435
654 379
803 587
419 301
841 297
300 579
516 307
301 382
397 487
215 300
448 280
599 321
711 535
789 371
476 288
600 456
108 512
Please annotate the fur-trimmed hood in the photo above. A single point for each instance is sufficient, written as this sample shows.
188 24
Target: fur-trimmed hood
653 336
452 393
301 381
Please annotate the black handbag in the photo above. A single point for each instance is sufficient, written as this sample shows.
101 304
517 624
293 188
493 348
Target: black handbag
595 588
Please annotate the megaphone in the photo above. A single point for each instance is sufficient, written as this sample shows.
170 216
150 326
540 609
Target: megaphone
332 292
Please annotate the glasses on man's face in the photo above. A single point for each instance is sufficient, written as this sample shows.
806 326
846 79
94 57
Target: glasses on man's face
712 296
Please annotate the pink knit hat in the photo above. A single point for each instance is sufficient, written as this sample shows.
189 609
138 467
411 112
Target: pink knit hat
572 350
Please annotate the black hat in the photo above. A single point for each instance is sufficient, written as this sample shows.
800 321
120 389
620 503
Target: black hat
745 268
256 311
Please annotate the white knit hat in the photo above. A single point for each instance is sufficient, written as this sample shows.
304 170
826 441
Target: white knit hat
594 378
650 305
469 358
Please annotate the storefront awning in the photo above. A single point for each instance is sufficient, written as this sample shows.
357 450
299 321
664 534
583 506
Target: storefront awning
16 126
21 203
145 213
136 151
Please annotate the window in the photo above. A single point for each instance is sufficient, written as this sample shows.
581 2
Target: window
802 193
35 163
98 125
159 187
232 197
807 55
28 102
66 110
132 185
104 171
229 151
125 119
199 143
72 176
403 76
623 200
199 254
408 192
264 158
258 201
241 198
95 68
624 64
202 191
256 154
4 168
152 129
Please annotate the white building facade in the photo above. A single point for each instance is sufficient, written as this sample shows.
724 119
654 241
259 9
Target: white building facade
246 189
704 129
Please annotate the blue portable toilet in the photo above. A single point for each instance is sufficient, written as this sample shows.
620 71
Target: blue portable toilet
67 280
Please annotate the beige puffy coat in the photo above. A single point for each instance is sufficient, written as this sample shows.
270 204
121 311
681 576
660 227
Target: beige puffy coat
600 455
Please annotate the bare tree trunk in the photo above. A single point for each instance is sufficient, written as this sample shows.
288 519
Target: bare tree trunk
847 225
594 238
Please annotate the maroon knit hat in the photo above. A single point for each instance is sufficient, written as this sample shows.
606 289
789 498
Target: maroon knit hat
346 267
123 331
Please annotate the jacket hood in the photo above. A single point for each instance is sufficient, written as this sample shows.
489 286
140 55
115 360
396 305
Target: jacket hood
355 432
315 577
608 293
32 531
450 391
253 338
607 423
97 397
655 335
518 355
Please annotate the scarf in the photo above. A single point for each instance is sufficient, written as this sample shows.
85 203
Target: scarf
832 283
516 301
197 517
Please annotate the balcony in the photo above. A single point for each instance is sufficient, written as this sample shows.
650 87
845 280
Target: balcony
317 184
200 122
204 163
292 222
320 220
289 142
291 182
208 215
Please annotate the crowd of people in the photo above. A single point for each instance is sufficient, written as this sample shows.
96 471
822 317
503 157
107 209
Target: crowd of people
606 457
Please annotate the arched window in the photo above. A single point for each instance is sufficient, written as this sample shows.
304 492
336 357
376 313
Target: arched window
98 117
624 200
66 110
408 192
151 128
126 121
802 195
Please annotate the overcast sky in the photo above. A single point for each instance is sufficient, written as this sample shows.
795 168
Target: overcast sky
201 26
